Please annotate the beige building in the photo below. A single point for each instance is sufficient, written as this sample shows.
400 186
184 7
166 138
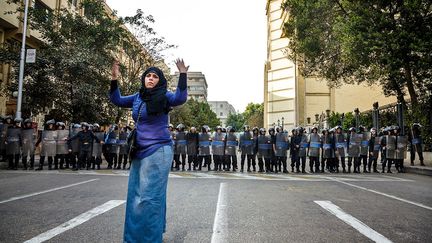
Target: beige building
293 97
197 85
222 110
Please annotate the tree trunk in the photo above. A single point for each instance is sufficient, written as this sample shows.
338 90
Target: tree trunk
410 86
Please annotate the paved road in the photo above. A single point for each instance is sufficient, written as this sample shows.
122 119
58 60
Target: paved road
88 206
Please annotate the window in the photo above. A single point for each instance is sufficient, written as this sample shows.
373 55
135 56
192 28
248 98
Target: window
221 106
221 114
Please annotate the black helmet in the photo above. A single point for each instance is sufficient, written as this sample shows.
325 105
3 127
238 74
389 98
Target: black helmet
362 128
278 129
262 131
314 128
205 128
28 120
218 128
224 129
300 129
246 128
232 129
271 130
85 124
18 120
324 130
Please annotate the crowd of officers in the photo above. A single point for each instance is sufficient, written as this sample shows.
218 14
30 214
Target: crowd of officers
80 146
328 149
83 145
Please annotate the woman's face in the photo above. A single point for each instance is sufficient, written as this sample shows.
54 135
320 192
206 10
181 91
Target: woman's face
151 80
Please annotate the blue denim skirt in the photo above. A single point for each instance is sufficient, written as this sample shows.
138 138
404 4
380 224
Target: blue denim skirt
146 198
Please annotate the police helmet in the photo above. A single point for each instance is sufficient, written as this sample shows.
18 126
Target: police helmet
18 120
49 122
218 128
28 120
262 131
323 131
180 127
246 128
85 124
232 129
362 128
352 129
96 125
271 130
278 129
76 125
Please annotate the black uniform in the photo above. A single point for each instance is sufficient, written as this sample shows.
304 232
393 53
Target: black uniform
86 140
247 150
192 139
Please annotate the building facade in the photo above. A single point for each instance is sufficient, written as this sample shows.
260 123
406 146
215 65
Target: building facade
289 95
222 110
197 85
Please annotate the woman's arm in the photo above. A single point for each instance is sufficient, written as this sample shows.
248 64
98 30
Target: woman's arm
180 96
115 96
117 99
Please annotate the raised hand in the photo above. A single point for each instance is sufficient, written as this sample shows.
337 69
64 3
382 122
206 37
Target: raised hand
115 70
181 66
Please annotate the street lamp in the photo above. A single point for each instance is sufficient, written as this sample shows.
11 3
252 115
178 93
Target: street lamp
21 70
308 120
283 123
357 118
278 122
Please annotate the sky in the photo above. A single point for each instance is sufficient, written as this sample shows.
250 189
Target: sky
226 40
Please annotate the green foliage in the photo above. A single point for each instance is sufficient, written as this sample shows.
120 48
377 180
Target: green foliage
236 121
194 113
376 41
73 64
254 115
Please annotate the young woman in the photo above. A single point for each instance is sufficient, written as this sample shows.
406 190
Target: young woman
148 178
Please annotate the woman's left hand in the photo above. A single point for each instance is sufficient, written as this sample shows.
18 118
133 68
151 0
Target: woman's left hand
181 66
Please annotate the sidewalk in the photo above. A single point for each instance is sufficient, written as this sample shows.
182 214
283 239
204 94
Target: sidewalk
420 170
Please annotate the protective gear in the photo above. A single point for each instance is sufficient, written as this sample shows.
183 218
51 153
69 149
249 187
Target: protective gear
180 127
13 146
28 145
281 147
231 150
192 139
180 144
49 122
247 149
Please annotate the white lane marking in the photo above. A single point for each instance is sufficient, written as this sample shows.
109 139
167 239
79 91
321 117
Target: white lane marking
220 225
396 178
355 223
46 191
76 221
383 194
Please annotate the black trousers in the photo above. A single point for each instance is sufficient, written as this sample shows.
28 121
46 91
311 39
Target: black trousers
413 152
192 161
231 159
372 162
388 163
218 161
73 158
314 161
112 159
207 161
352 160
301 160
96 161
84 159
42 161
13 160
282 163
342 160
123 158
32 160
62 158
179 162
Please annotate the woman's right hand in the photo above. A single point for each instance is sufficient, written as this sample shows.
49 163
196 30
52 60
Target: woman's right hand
115 70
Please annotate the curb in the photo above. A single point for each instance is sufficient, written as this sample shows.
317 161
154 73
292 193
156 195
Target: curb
419 170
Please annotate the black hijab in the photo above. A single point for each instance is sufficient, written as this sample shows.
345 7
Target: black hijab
155 98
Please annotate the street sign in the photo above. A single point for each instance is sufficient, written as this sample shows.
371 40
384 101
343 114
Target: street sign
31 56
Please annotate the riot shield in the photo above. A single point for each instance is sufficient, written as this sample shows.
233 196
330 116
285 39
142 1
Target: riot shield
49 145
282 144
402 142
62 146
314 145
391 147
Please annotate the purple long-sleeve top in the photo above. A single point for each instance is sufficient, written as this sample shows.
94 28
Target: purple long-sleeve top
152 131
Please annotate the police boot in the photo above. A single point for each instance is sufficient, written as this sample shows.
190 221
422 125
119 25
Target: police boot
190 165
349 169
421 163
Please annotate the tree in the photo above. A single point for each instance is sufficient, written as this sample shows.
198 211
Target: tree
377 41
235 120
254 115
194 113
72 70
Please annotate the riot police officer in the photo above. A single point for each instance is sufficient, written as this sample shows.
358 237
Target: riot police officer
374 148
204 148
416 143
13 144
314 150
62 148
49 145
340 147
272 166
264 151
192 139
74 155
255 134
364 148
28 143
86 140
281 147
97 147
391 145
304 145
218 148
123 148
327 154
294 148
353 144
180 147
401 146
112 146
246 147
231 150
